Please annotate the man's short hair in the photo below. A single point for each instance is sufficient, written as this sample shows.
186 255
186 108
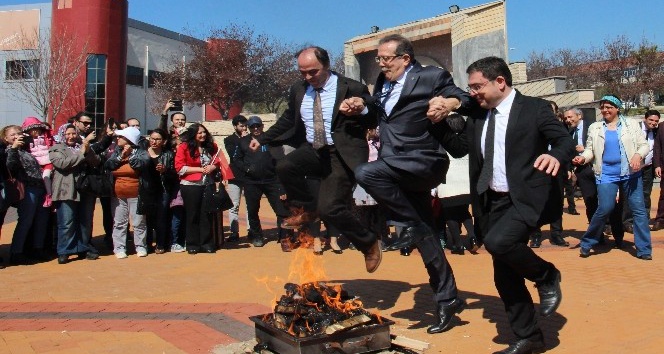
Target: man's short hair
136 119
652 112
491 68
404 46
576 111
320 53
173 115
80 114
239 119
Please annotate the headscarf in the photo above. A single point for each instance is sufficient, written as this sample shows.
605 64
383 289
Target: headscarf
60 137
613 100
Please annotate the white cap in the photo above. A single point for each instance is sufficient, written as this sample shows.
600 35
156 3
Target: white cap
130 133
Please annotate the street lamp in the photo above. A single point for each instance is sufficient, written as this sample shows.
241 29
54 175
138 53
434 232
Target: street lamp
454 9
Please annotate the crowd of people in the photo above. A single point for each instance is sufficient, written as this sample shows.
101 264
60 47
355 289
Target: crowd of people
357 164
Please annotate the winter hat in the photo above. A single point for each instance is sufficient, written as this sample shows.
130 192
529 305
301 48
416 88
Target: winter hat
254 120
32 123
130 133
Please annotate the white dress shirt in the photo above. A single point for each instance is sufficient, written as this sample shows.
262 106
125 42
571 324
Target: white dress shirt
328 97
498 181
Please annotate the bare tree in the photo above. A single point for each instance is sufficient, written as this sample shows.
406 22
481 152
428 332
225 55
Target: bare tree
235 65
44 76
538 65
649 76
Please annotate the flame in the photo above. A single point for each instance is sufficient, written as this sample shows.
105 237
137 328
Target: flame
305 266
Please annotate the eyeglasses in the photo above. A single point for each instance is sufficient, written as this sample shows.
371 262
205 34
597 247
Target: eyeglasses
387 58
256 126
85 123
476 88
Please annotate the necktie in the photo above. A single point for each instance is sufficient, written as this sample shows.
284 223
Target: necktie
575 136
487 166
319 126
386 95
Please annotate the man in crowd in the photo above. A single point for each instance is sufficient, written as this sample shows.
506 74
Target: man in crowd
412 161
511 176
178 119
650 124
236 184
260 178
328 128
658 164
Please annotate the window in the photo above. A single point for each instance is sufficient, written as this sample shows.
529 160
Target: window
152 76
134 76
95 89
22 69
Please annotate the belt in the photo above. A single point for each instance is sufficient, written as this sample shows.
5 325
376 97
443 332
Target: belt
498 194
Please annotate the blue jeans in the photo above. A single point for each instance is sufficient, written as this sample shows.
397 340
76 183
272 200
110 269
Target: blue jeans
31 216
632 190
74 226
177 225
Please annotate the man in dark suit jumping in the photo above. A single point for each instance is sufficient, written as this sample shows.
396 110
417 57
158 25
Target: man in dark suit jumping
511 171
412 161
326 119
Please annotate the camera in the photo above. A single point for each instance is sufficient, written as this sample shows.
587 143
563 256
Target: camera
177 105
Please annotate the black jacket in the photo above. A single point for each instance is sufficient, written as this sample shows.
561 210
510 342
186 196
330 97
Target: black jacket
169 180
258 166
140 161
231 144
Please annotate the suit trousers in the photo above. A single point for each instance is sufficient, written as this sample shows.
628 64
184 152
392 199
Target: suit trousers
408 198
513 262
334 195
405 195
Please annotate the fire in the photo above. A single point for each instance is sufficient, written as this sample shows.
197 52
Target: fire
305 266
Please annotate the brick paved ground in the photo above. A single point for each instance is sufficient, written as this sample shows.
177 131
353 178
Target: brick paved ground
177 303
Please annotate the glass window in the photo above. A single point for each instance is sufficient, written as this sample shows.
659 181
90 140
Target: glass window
152 75
22 69
95 90
134 76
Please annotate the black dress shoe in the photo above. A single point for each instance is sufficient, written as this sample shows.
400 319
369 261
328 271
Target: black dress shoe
409 236
458 250
446 314
192 251
405 251
209 250
618 244
550 293
536 240
658 225
91 256
337 251
62 259
557 240
572 211
234 237
524 346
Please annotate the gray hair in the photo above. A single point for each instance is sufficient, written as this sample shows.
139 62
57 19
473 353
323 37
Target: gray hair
577 111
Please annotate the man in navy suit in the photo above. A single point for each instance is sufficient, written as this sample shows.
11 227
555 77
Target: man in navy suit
412 161
511 178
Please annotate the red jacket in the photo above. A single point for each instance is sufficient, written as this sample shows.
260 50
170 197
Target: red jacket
183 158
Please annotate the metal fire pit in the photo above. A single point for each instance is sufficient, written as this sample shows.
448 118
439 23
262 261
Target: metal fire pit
360 339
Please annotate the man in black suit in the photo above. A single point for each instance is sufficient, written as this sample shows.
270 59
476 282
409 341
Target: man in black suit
411 161
511 171
326 119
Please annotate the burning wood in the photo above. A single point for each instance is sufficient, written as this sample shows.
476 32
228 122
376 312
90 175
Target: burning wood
315 308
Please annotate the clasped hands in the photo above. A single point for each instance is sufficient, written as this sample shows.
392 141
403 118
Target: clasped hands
352 106
441 107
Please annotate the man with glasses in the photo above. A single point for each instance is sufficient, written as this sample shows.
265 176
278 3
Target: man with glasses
327 120
511 187
412 161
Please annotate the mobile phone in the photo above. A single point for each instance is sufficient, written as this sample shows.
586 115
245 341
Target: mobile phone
177 105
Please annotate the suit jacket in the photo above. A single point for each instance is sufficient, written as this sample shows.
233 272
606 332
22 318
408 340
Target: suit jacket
658 154
409 141
585 178
348 132
532 127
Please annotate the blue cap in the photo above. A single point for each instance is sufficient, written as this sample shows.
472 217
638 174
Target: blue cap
254 120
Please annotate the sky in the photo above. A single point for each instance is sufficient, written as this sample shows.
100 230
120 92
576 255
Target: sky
532 25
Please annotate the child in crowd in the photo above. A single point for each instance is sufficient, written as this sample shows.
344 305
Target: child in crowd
40 141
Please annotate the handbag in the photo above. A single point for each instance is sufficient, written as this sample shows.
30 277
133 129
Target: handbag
96 184
215 197
14 190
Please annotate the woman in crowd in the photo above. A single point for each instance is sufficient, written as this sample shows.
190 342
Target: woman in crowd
132 189
176 204
197 160
616 147
163 176
32 216
74 213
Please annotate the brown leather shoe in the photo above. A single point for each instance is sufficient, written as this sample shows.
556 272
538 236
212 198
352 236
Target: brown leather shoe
373 256
299 218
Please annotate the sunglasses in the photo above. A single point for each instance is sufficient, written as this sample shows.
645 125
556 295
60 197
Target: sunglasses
85 123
